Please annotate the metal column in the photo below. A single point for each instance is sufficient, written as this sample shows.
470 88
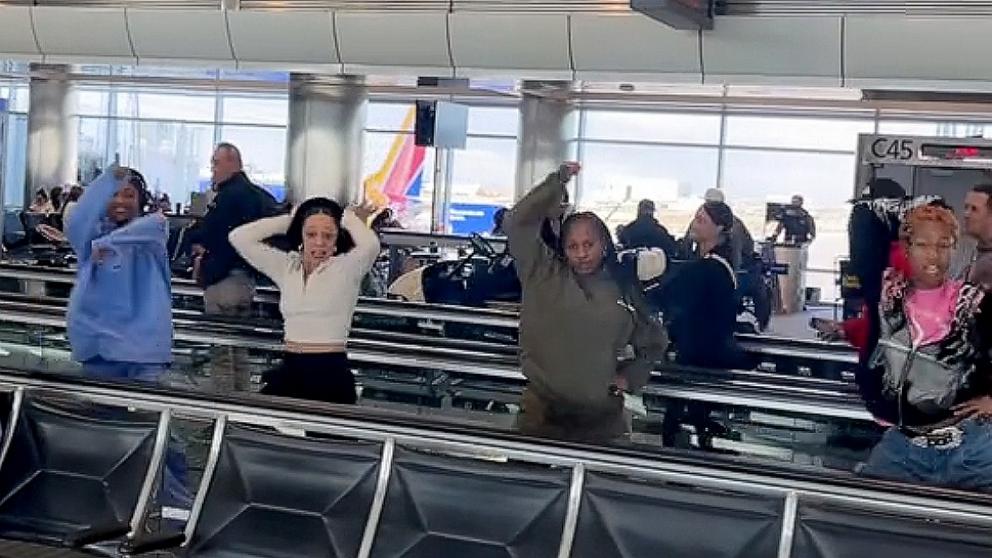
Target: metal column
548 121
324 146
52 130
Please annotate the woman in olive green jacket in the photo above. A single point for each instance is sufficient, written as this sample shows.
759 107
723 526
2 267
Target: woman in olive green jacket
585 332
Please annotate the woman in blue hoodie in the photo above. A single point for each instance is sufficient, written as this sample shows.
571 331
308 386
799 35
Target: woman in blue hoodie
120 311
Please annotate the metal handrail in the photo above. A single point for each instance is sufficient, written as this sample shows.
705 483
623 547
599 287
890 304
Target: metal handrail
740 388
928 502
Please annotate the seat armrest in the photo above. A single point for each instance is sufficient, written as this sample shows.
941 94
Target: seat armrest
152 543
97 534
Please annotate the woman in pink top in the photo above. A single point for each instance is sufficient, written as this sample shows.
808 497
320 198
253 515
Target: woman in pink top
929 373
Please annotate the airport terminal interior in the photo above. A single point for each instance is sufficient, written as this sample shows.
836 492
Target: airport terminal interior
495 278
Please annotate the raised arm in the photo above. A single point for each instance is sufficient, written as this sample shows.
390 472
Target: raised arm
523 223
85 225
249 241
367 247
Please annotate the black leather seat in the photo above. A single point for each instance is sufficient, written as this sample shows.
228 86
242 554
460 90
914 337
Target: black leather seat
278 496
832 531
72 478
627 518
440 506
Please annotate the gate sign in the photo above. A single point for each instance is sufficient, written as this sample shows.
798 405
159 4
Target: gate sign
925 151
892 149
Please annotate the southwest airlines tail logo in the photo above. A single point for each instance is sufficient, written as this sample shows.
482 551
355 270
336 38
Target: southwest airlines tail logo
401 175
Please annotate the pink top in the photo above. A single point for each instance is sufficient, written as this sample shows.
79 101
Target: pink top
931 312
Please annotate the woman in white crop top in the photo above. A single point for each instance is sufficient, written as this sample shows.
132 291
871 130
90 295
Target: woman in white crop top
319 285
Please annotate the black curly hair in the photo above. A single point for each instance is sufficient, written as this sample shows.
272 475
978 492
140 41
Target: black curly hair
319 206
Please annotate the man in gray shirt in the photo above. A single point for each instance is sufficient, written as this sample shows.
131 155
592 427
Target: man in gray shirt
978 225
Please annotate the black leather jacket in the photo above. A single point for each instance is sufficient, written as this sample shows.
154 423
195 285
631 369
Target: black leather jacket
917 387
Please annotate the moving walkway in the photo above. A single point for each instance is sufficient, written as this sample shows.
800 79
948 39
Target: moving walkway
494 329
793 418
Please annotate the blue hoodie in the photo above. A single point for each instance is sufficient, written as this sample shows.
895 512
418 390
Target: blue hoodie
121 307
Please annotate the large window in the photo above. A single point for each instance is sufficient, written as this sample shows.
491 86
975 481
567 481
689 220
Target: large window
616 177
396 172
169 135
483 175
15 160
480 178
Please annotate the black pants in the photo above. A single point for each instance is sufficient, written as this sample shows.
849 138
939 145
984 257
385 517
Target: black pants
317 377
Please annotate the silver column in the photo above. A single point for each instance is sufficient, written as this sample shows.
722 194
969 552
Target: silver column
52 130
324 143
548 121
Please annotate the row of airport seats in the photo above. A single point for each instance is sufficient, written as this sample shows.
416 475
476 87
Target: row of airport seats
82 479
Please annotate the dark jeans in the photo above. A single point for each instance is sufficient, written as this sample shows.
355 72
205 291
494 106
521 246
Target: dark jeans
175 490
967 466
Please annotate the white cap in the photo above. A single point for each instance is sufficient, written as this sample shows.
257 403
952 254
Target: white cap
714 195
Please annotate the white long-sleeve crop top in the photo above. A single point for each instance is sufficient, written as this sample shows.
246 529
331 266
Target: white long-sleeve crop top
318 310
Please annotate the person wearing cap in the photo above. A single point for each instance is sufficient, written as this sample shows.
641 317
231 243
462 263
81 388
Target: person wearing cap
646 232
872 230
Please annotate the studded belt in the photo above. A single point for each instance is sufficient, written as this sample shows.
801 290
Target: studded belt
948 437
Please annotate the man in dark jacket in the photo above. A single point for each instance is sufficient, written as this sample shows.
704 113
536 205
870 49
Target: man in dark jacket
647 232
228 281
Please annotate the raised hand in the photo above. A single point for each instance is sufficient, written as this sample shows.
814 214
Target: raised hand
364 211
568 170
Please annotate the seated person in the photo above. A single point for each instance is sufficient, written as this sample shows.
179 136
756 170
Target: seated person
42 204
929 373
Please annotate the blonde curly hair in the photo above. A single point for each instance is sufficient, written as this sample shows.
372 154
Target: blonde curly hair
928 214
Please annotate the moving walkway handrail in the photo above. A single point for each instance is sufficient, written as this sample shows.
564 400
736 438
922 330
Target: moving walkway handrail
714 471
474 316
742 388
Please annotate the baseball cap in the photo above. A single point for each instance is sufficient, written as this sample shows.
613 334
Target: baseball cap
714 195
